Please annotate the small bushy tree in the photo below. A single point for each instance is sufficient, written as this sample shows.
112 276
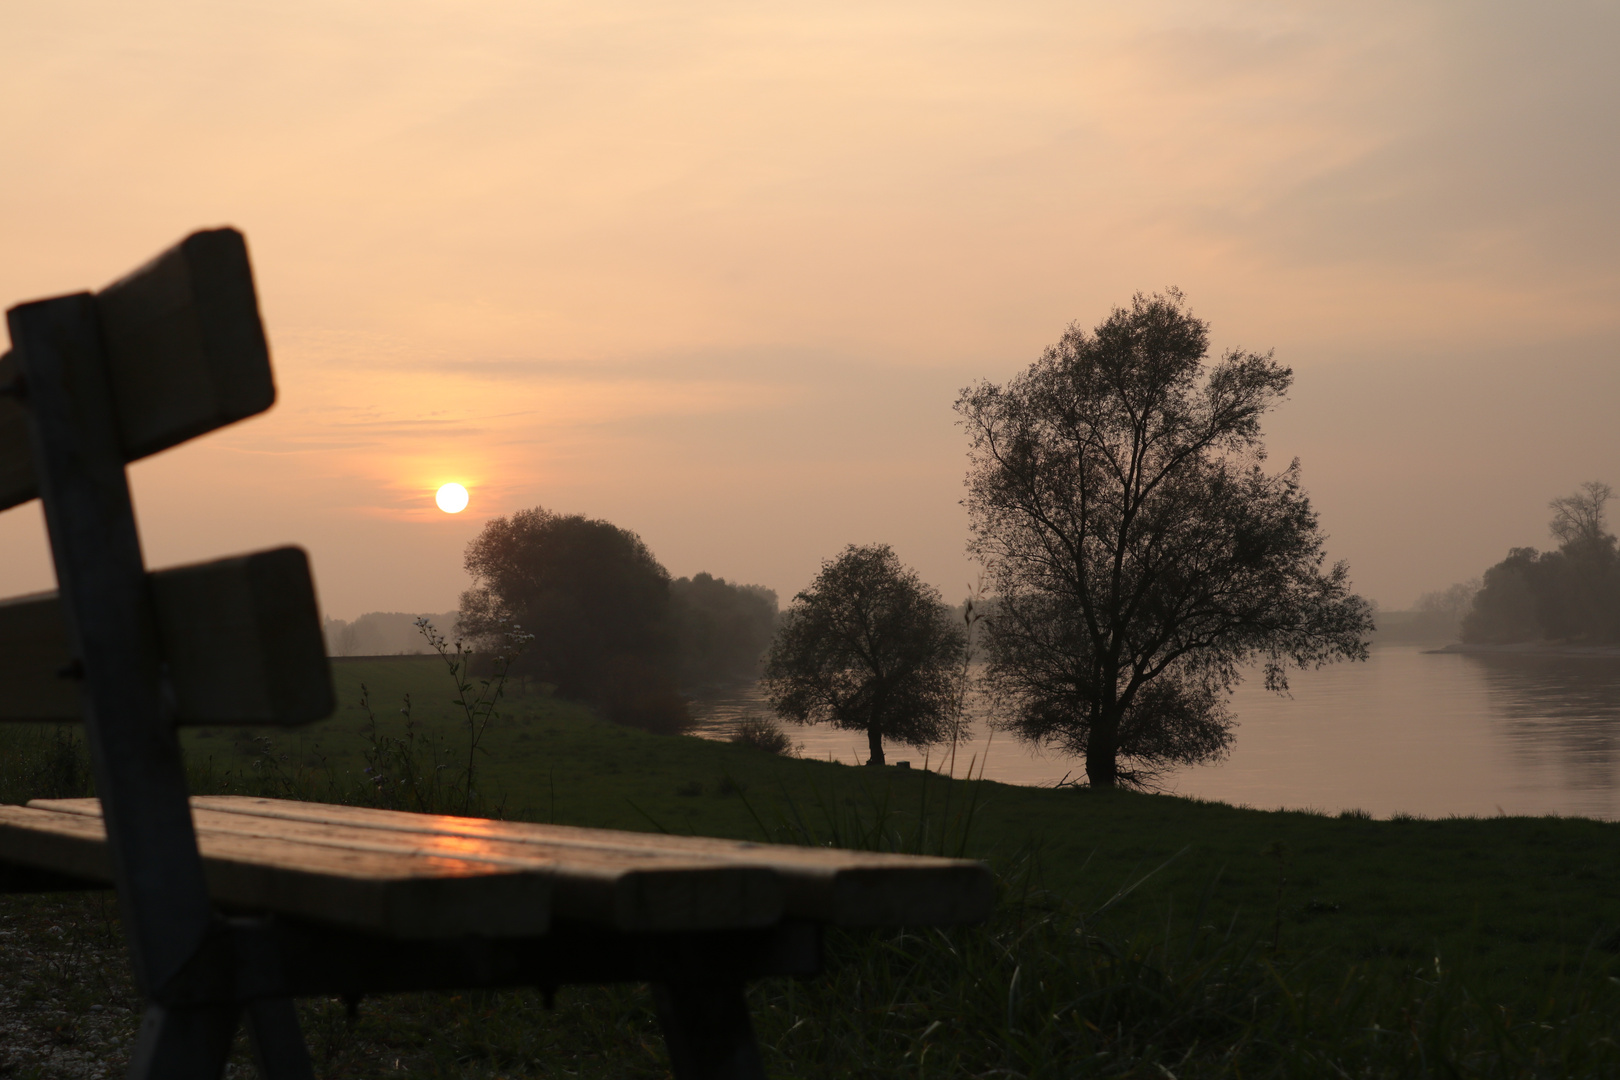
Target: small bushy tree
870 647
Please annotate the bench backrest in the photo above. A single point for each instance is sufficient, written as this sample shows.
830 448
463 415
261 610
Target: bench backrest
94 381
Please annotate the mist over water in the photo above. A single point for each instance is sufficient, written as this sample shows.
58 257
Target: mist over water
1409 731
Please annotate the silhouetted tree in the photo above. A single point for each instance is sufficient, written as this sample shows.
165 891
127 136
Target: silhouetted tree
1569 594
597 603
868 646
1580 520
722 629
1138 553
1506 608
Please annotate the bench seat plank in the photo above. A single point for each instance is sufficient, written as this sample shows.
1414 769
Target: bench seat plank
426 875
628 890
396 894
847 888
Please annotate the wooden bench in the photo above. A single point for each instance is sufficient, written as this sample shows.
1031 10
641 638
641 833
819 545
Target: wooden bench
234 906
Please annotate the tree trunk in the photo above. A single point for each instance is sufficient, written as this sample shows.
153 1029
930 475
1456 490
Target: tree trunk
1102 757
874 739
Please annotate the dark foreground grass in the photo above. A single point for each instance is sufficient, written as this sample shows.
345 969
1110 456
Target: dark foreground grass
1137 935
1034 994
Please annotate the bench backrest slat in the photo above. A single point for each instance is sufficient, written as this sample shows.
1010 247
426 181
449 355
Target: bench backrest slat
184 349
240 637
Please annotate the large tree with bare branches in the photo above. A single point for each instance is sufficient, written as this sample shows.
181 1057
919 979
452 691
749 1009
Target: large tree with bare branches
1139 553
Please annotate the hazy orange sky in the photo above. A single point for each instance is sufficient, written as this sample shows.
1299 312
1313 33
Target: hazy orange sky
716 271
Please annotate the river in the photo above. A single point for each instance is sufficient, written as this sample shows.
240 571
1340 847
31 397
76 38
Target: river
1408 732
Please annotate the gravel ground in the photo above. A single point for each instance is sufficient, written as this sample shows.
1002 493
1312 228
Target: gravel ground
67 1006
69 1011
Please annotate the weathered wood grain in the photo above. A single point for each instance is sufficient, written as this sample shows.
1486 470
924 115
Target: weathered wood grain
849 888
411 895
185 352
632 891
241 639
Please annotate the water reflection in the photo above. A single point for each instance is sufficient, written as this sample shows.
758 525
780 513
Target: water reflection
1559 713
1407 732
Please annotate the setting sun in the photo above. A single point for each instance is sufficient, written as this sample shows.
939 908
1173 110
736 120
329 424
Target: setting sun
452 498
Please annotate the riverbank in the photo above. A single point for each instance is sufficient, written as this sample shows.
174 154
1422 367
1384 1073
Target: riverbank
1534 648
1409 731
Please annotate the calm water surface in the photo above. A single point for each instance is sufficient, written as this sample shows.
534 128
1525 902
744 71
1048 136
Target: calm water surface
1407 732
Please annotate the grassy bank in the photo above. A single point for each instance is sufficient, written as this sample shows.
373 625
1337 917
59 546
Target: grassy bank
1513 898
1137 931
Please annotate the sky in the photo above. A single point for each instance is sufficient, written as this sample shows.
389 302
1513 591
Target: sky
717 271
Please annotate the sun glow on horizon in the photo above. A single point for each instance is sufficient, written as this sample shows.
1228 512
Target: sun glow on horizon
452 498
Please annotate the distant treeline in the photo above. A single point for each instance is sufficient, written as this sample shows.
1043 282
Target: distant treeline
721 629
1568 595
1571 594
584 605
383 633
1414 627
717 631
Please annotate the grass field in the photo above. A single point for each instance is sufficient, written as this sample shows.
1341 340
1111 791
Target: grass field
1137 933
1513 899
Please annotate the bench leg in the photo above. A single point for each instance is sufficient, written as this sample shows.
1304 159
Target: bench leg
278 1046
183 1044
708 1031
